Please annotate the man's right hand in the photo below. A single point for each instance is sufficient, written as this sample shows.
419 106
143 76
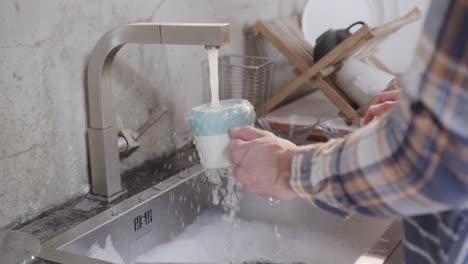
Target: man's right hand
381 104
262 162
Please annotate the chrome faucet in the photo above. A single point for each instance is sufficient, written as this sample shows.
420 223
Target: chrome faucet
104 140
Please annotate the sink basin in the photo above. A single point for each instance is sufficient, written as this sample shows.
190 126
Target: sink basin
160 213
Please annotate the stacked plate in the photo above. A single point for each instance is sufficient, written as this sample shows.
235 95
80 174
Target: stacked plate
396 52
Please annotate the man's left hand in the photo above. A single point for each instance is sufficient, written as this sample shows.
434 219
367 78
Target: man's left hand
381 104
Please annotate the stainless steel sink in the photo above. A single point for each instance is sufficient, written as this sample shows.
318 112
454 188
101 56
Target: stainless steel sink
161 212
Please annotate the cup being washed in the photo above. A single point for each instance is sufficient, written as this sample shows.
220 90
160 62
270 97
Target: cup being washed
210 128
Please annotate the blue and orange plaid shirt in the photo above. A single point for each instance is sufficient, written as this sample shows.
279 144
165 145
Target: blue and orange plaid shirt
413 162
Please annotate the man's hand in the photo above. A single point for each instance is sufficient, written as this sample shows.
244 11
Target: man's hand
262 162
381 104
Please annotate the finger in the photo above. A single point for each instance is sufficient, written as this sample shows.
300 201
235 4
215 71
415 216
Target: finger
369 115
385 97
247 133
373 112
238 150
378 110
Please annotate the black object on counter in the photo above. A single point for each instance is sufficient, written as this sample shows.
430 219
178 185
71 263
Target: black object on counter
330 39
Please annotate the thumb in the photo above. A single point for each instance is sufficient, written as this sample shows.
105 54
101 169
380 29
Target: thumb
247 133
238 151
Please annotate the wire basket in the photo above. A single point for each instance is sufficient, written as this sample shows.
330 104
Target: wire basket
242 77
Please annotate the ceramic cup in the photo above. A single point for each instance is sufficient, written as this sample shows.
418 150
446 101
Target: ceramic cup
361 81
210 127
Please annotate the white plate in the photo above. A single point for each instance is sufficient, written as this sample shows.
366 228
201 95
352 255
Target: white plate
397 52
320 16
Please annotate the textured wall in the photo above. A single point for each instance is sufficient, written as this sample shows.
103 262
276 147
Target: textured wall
43 53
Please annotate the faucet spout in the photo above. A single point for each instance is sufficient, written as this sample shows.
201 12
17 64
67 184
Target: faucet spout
102 133
208 47
100 107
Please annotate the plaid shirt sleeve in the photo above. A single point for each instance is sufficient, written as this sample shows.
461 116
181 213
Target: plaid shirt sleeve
415 159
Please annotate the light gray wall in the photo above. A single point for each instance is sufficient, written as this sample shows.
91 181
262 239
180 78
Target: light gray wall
43 53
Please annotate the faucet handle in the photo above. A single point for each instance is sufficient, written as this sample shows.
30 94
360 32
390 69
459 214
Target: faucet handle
128 139
127 144
154 116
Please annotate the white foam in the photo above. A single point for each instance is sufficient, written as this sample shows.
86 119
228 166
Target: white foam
108 253
214 239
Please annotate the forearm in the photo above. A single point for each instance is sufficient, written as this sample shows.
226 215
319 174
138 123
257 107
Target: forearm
413 161
395 167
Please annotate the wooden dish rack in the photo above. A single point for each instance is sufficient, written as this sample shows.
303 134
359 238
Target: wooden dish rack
286 35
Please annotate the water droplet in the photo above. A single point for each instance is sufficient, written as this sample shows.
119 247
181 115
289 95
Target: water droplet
272 201
277 233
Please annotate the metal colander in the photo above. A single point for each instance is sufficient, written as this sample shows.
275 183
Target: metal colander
242 77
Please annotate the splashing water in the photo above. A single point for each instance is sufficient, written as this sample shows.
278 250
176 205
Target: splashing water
108 253
214 78
272 201
278 237
277 233
227 191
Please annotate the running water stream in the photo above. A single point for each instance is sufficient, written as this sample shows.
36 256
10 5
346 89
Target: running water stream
227 192
214 78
